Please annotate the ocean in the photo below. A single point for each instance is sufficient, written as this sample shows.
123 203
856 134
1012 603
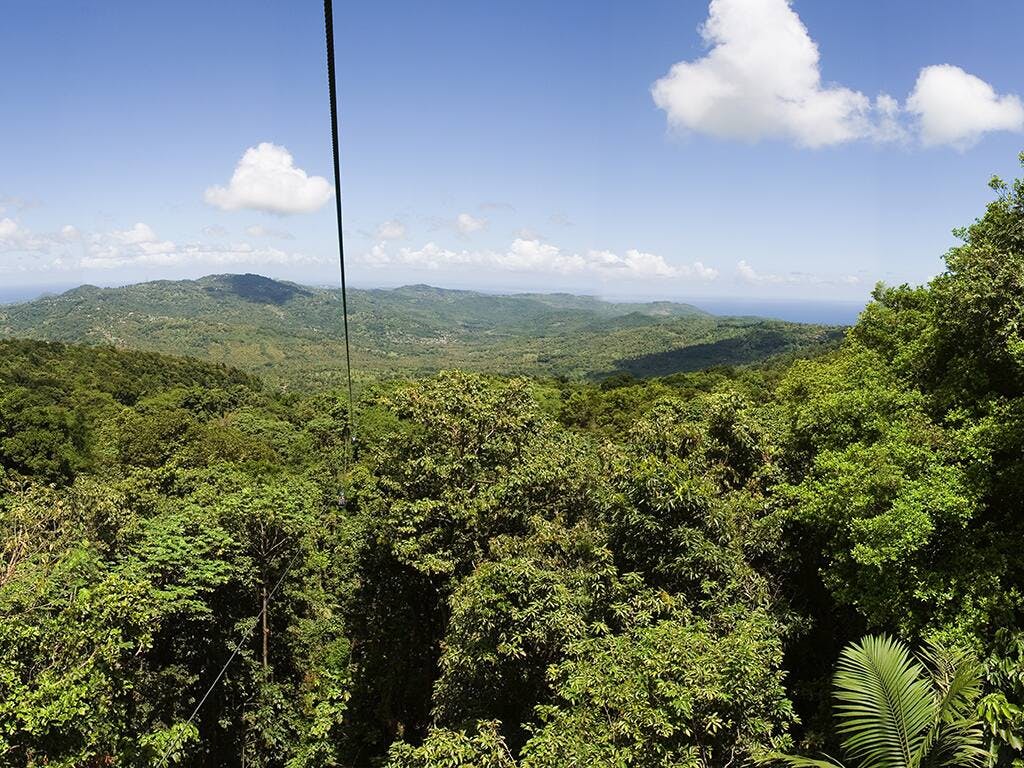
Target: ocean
824 312
13 295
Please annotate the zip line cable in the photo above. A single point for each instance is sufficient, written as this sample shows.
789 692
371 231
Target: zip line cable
333 90
238 646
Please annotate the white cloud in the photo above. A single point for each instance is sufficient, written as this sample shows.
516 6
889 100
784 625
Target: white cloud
888 125
535 256
139 245
761 79
266 179
467 224
639 264
748 274
704 272
955 107
391 230
139 233
14 238
101 256
8 227
745 273
525 233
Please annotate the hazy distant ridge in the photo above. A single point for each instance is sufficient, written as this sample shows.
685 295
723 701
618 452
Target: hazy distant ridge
292 333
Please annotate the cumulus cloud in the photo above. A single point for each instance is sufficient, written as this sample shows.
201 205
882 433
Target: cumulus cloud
266 179
745 273
467 224
138 234
957 108
535 256
391 230
761 79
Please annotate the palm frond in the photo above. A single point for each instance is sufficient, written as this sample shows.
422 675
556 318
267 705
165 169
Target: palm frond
885 703
956 676
895 711
956 737
955 745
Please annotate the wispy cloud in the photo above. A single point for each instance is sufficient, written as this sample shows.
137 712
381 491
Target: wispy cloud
745 273
467 223
535 256
258 230
16 239
391 230
497 206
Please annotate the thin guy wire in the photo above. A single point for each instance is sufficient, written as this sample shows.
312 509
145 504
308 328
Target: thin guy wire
238 646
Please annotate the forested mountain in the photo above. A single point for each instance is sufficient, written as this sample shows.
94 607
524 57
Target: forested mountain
523 572
292 334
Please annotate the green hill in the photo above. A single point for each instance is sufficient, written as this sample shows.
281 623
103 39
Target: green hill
292 334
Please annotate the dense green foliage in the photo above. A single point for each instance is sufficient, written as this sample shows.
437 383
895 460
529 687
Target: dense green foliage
292 335
528 572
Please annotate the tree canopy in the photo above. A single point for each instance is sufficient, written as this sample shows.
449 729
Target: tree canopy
531 572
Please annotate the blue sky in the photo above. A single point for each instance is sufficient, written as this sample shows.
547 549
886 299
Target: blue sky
798 150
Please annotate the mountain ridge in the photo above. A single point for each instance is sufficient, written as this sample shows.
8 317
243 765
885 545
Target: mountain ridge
291 334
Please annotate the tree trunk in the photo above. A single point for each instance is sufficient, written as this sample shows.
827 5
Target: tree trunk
266 627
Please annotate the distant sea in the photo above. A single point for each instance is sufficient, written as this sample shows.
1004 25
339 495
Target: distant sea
824 312
28 292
